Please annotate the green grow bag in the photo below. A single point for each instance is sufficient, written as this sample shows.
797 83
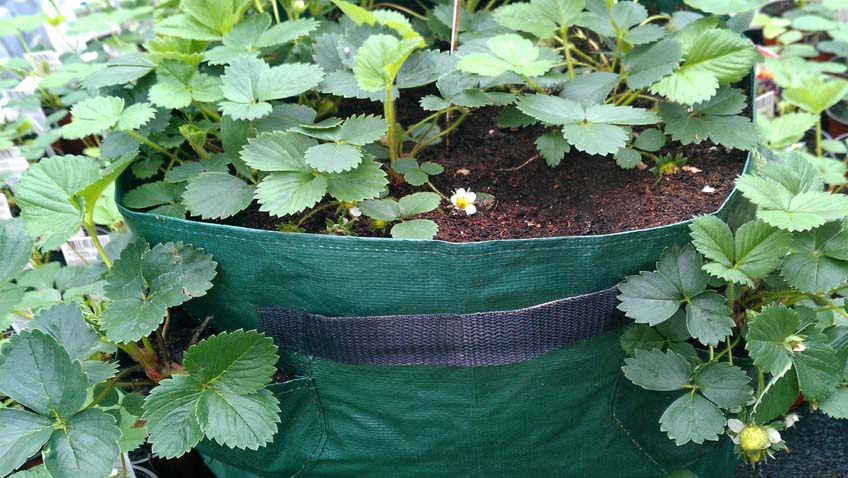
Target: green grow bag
402 371
428 359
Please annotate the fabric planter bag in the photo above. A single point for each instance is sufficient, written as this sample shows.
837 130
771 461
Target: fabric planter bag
419 359
429 359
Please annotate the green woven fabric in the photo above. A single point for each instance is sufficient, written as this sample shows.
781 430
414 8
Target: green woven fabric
566 414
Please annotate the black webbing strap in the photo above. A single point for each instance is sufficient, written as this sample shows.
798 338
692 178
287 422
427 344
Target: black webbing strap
446 340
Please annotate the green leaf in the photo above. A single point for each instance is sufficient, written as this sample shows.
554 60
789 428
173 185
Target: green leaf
249 84
86 446
15 249
24 433
362 130
767 338
38 373
510 52
287 31
415 229
542 18
367 181
222 396
120 70
95 190
731 131
726 7
93 116
657 370
818 261
754 253
641 337
171 418
596 138
218 16
654 297
723 384
239 361
778 395
178 84
387 210
715 57
379 60
133 430
135 116
553 147
592 129
144 283
836 406
285 193
620 115
333 157
815 94
790 197
65 324
819 371
552 109
236 420
102 113
278 151
692 418
214 195
46 193
162 196
784 130
708 318
627 158
592 88
418 203
651 140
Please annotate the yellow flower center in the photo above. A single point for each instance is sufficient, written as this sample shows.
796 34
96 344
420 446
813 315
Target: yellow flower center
461 203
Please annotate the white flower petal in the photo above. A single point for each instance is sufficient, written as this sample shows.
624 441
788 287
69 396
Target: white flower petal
774 435
471 196
791 420
735 425
460 192
736 440
470 209
454 199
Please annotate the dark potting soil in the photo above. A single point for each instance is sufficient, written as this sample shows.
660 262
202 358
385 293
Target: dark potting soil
777 9
584 195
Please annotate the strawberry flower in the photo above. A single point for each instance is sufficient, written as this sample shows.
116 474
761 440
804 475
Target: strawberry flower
464 201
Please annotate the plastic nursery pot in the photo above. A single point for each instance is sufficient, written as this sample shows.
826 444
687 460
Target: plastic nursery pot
837 119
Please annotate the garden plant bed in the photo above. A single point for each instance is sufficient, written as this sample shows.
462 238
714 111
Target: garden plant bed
584 195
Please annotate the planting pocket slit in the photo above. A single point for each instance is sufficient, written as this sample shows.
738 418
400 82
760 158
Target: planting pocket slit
296 447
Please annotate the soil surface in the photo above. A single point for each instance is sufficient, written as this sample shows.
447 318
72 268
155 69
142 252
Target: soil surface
584 195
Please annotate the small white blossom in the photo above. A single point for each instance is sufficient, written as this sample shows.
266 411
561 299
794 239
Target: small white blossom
735 425
791 420
708 190
354 212
300 5
88 56
464 201
774 436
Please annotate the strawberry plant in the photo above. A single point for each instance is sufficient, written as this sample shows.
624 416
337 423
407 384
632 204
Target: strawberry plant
770 290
